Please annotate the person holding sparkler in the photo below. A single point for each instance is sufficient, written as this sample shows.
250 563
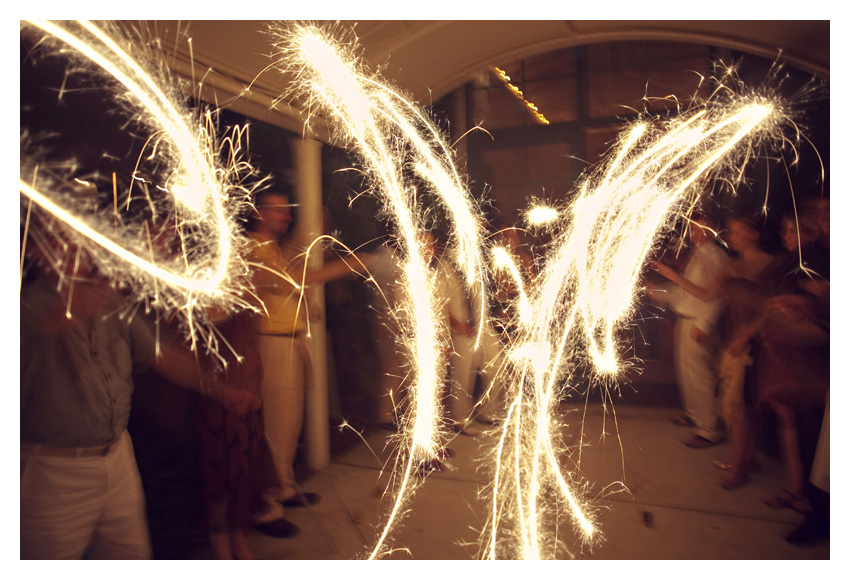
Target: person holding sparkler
386 272
791 364
284 351
467 360
743 291
236 464
695 303
81 492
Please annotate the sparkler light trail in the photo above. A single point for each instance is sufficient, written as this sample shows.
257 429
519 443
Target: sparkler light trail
194 210
567 319
584 294
586 291
393 136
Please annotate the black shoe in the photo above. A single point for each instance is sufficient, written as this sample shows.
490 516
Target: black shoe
813 529
484 420
279 528
302 500
428 466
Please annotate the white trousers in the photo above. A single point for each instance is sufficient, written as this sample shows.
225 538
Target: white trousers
391 359
76 506
820 466
697 380
466 363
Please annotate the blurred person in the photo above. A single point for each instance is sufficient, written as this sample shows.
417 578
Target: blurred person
468 360
284 351
742 290
387 275
236 465
507 291
791 364
694 300
81 492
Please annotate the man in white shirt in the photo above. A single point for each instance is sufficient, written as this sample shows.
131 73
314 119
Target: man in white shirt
468 360
696 302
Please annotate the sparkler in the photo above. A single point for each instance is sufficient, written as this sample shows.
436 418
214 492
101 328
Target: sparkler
540 215
197 212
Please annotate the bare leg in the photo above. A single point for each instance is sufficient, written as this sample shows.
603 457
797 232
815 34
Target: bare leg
739 430
239 545
220 541
790 445
221 545
742 429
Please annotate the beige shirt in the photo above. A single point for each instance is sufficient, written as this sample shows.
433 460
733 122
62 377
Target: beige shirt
282 310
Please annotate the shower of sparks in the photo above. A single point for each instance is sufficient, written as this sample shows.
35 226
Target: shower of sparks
395 139
568 320
586 291
187 257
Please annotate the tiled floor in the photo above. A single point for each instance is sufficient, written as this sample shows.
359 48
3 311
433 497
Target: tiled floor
658 500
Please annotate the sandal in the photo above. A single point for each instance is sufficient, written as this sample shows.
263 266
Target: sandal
785 499
731 484
699 442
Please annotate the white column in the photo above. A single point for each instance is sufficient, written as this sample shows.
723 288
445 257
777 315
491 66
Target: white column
458 127
308 193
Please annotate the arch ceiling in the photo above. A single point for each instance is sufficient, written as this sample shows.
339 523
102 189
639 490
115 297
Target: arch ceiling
429 59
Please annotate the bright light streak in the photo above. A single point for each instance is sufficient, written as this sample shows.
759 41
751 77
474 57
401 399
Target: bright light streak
212 273
541 215
586 291
391 134
569 316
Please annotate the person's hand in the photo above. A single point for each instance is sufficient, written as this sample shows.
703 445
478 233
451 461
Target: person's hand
368 258
736 346
468 330
793 307
237 402
463 328
699 336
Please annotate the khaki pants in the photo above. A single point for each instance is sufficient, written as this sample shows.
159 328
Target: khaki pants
287 372
73 506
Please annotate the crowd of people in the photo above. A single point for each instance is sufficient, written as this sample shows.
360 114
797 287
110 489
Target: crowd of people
81 357
751 341
752 348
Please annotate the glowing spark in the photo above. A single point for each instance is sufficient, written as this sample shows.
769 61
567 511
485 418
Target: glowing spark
214 274
541 215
